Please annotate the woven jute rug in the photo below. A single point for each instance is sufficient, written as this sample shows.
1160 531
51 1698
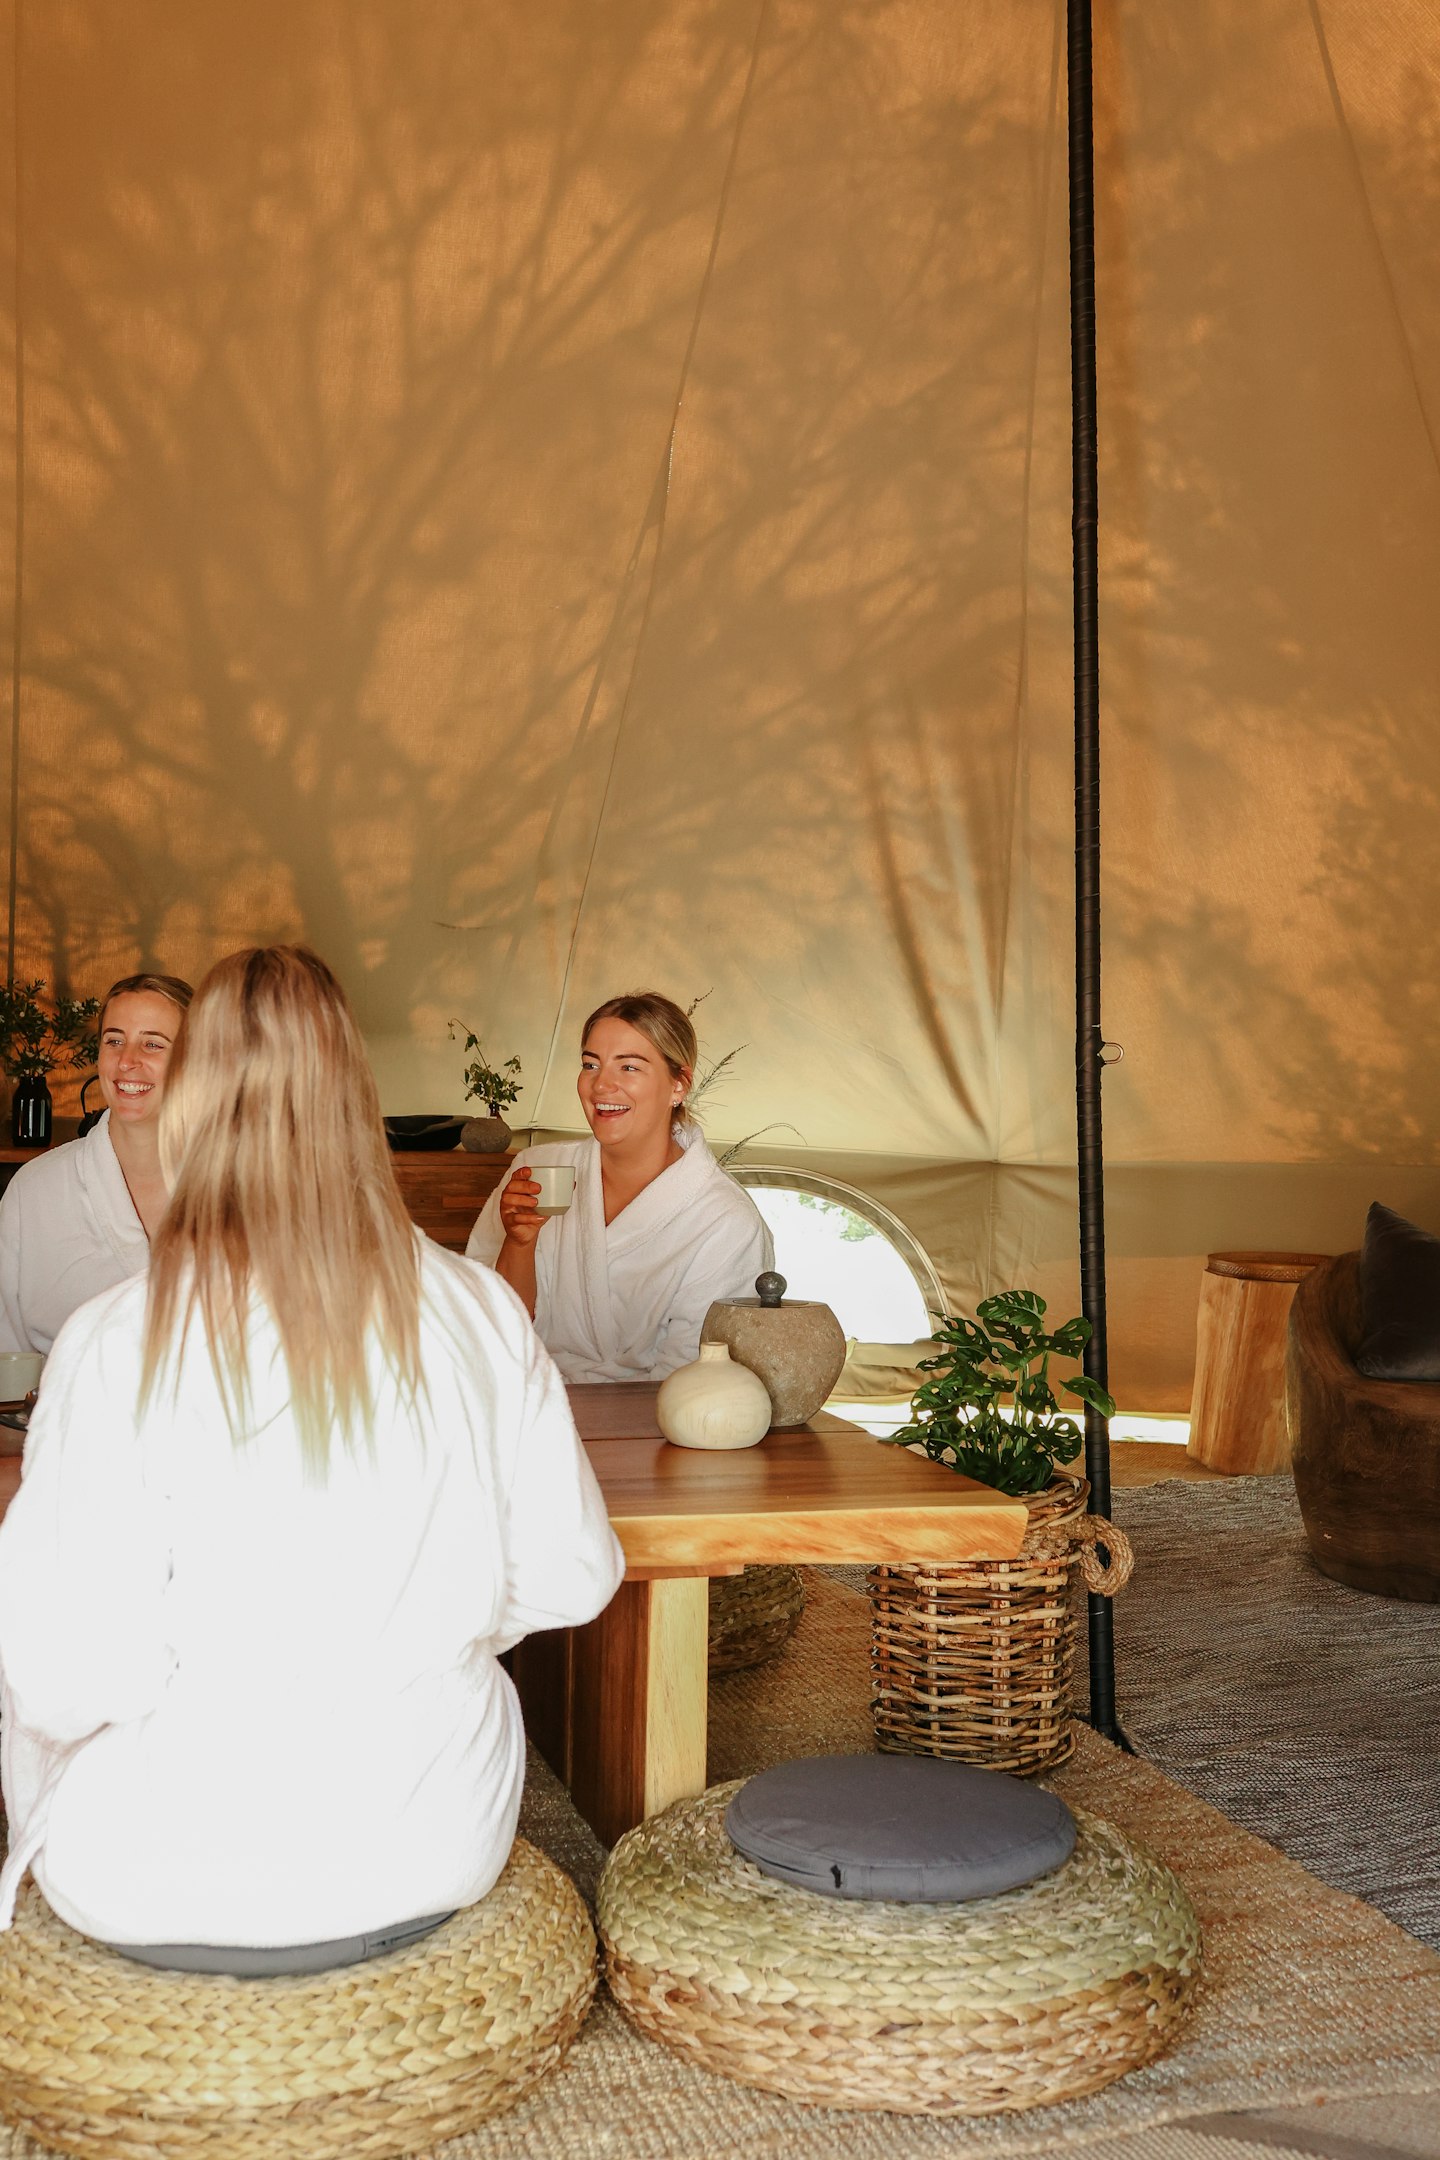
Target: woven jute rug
1306 1711
1311 1995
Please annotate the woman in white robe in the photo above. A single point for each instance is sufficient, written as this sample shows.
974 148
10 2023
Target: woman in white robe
78 1219
619 1285
284 1503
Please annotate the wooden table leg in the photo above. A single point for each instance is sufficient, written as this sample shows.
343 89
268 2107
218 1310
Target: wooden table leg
540 1668
620 1711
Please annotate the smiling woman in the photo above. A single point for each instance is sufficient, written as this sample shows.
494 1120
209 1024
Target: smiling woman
79 1220
619 1282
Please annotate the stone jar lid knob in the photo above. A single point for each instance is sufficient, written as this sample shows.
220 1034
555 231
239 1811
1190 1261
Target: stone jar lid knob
770 1288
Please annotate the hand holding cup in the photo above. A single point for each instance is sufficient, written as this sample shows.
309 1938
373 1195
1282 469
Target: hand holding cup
520 1217
535 1193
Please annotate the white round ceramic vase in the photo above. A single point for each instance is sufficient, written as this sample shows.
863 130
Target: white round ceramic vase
713 1403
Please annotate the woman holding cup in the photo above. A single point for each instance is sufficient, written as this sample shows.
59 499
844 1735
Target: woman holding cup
80 1218
619 1277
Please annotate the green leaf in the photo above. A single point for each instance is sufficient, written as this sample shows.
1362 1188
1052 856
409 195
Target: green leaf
1091 1392
1033 1393
979 1365
1019 1307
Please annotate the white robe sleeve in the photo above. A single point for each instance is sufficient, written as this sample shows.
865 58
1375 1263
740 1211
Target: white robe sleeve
488 1235
563 1560
83 1559
726 1264
12 1319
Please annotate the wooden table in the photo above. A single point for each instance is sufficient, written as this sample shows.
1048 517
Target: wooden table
618 1708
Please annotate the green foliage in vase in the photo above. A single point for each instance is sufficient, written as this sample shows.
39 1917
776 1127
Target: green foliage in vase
37 1034
988 1410
497 1090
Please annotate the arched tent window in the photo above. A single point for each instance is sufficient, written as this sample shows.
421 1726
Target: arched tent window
836 1244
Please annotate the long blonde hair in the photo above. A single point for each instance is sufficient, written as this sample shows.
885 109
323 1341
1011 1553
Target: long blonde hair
665 1027
281 1186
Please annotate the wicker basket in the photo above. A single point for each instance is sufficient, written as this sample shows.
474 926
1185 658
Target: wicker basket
752 1614
1041 1994
974 1661
115 2061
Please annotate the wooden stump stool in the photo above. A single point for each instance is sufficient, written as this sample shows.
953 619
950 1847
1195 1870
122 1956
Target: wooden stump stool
1237 1412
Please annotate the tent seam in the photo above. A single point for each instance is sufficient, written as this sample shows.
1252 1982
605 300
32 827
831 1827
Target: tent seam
655 516
1023 672
13 895
1358 170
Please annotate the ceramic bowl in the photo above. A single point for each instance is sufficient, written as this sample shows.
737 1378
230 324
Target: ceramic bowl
408 1133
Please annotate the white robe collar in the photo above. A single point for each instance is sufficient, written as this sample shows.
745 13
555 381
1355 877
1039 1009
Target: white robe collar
582 1282
102 1181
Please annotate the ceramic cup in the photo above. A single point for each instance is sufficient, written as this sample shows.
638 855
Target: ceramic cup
20 1372
557 1186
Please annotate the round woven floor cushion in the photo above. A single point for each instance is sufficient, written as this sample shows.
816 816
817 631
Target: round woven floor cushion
1037 1995
104 2057
752 1614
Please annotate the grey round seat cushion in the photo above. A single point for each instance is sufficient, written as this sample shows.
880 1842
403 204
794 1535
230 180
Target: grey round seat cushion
905 1827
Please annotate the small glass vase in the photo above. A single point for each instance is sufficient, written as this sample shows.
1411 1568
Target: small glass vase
31 1111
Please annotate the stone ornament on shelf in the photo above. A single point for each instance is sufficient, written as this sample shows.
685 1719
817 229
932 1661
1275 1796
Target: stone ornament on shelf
485 1135
794 1347
713 1403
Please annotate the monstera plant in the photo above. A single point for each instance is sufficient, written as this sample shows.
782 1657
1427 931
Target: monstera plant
988 1408
974 1659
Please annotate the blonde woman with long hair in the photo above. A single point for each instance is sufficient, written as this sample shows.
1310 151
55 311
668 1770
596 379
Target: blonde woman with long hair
619 1285
284 1504
80 1217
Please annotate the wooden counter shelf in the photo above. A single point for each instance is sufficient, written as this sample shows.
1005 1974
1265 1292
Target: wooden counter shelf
444 1189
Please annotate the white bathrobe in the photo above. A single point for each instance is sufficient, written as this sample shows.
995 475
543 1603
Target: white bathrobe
68 1229
627 1301
243 1706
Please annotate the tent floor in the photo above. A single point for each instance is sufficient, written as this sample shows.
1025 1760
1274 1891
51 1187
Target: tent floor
1269 1693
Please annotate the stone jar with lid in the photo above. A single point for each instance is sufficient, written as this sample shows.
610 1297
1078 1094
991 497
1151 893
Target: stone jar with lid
797 1348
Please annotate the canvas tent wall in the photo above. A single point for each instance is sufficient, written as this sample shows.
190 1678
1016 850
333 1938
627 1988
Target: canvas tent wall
539 501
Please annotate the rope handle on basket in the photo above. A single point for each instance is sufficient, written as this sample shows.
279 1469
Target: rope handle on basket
1086 1532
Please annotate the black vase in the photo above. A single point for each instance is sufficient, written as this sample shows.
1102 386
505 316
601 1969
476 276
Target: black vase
31 1111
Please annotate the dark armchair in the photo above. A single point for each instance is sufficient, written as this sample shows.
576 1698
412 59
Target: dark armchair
1366 1452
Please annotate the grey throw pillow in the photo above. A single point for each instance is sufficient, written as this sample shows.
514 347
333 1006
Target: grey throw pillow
1399 1299
907 1827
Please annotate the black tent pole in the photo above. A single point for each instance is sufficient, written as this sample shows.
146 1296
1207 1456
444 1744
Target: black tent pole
1089 1040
